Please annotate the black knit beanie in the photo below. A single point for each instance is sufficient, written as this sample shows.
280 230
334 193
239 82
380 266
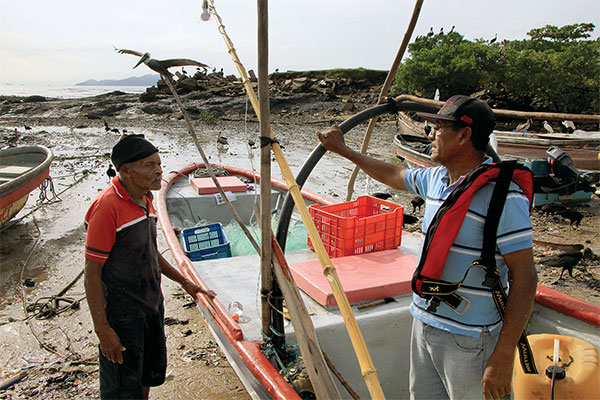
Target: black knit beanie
131 148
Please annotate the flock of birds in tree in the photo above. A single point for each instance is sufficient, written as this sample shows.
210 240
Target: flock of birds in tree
431 33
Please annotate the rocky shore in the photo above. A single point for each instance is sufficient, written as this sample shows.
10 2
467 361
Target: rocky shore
45 246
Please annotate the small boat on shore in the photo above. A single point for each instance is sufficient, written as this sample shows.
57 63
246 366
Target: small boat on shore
22 169
566 184
377 286
582 147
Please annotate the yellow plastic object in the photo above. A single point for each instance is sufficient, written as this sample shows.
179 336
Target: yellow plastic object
579 359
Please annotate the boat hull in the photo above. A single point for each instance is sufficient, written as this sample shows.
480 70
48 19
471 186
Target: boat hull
22 169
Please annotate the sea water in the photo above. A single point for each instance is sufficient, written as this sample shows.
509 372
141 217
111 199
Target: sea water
241 246
64 92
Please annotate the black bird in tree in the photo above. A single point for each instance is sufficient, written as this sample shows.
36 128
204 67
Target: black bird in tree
441 31
111 172
452 30
417 202
161 66
430 33
566 260
493 40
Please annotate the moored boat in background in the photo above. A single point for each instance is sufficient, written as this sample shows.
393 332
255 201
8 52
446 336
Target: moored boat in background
583 147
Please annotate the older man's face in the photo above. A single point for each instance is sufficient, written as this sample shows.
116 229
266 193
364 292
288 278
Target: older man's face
147 172
444 140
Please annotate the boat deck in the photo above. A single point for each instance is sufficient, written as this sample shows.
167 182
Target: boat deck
382 326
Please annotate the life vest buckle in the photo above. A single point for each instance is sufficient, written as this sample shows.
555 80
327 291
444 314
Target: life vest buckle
467 304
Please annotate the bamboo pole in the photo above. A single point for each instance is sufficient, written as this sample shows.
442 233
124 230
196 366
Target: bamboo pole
368 370
384 91
265 164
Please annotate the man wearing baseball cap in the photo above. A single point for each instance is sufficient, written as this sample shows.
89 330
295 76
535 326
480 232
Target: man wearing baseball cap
466 353
123 270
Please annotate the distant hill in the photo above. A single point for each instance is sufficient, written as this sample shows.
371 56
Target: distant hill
146 80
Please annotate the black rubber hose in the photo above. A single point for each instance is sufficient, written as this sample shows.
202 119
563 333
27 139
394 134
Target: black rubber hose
316 155
288 204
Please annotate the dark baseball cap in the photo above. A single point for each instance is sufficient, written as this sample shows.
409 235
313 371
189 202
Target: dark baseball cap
469 110
131 148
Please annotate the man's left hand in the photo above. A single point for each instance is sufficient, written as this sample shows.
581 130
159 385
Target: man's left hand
497 377
193 290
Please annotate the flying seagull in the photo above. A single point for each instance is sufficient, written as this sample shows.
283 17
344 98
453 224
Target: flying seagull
161 66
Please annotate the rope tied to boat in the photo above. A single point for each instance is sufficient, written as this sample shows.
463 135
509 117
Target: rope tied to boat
292 354
48 186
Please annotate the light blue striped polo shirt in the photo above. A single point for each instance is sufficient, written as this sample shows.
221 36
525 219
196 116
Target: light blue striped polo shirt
514 233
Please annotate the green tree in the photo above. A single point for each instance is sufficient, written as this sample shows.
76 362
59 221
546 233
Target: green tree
556 70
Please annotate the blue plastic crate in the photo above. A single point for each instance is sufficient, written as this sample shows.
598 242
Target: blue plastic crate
206 242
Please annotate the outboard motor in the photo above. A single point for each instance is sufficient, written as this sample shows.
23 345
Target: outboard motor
561 165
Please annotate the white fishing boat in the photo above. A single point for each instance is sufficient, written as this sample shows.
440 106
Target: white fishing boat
377 285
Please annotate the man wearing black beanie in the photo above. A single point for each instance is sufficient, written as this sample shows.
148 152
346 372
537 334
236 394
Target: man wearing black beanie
123 274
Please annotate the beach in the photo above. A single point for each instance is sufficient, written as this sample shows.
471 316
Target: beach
45 245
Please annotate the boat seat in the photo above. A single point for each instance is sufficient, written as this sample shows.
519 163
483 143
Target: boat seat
365 277
12 171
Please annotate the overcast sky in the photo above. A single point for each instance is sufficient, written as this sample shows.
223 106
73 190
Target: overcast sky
62 42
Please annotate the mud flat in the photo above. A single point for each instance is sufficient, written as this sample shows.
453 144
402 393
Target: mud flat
45 245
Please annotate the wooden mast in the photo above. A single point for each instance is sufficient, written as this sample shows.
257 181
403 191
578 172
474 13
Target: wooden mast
265 165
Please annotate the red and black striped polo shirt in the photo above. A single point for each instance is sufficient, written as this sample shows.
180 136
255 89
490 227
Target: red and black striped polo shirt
121 234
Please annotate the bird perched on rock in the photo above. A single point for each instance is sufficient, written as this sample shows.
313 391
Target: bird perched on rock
566 260
161 66
111 172
417 202
106 127
573 216
222 140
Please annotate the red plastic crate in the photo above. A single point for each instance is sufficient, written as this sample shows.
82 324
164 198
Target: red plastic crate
364 225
